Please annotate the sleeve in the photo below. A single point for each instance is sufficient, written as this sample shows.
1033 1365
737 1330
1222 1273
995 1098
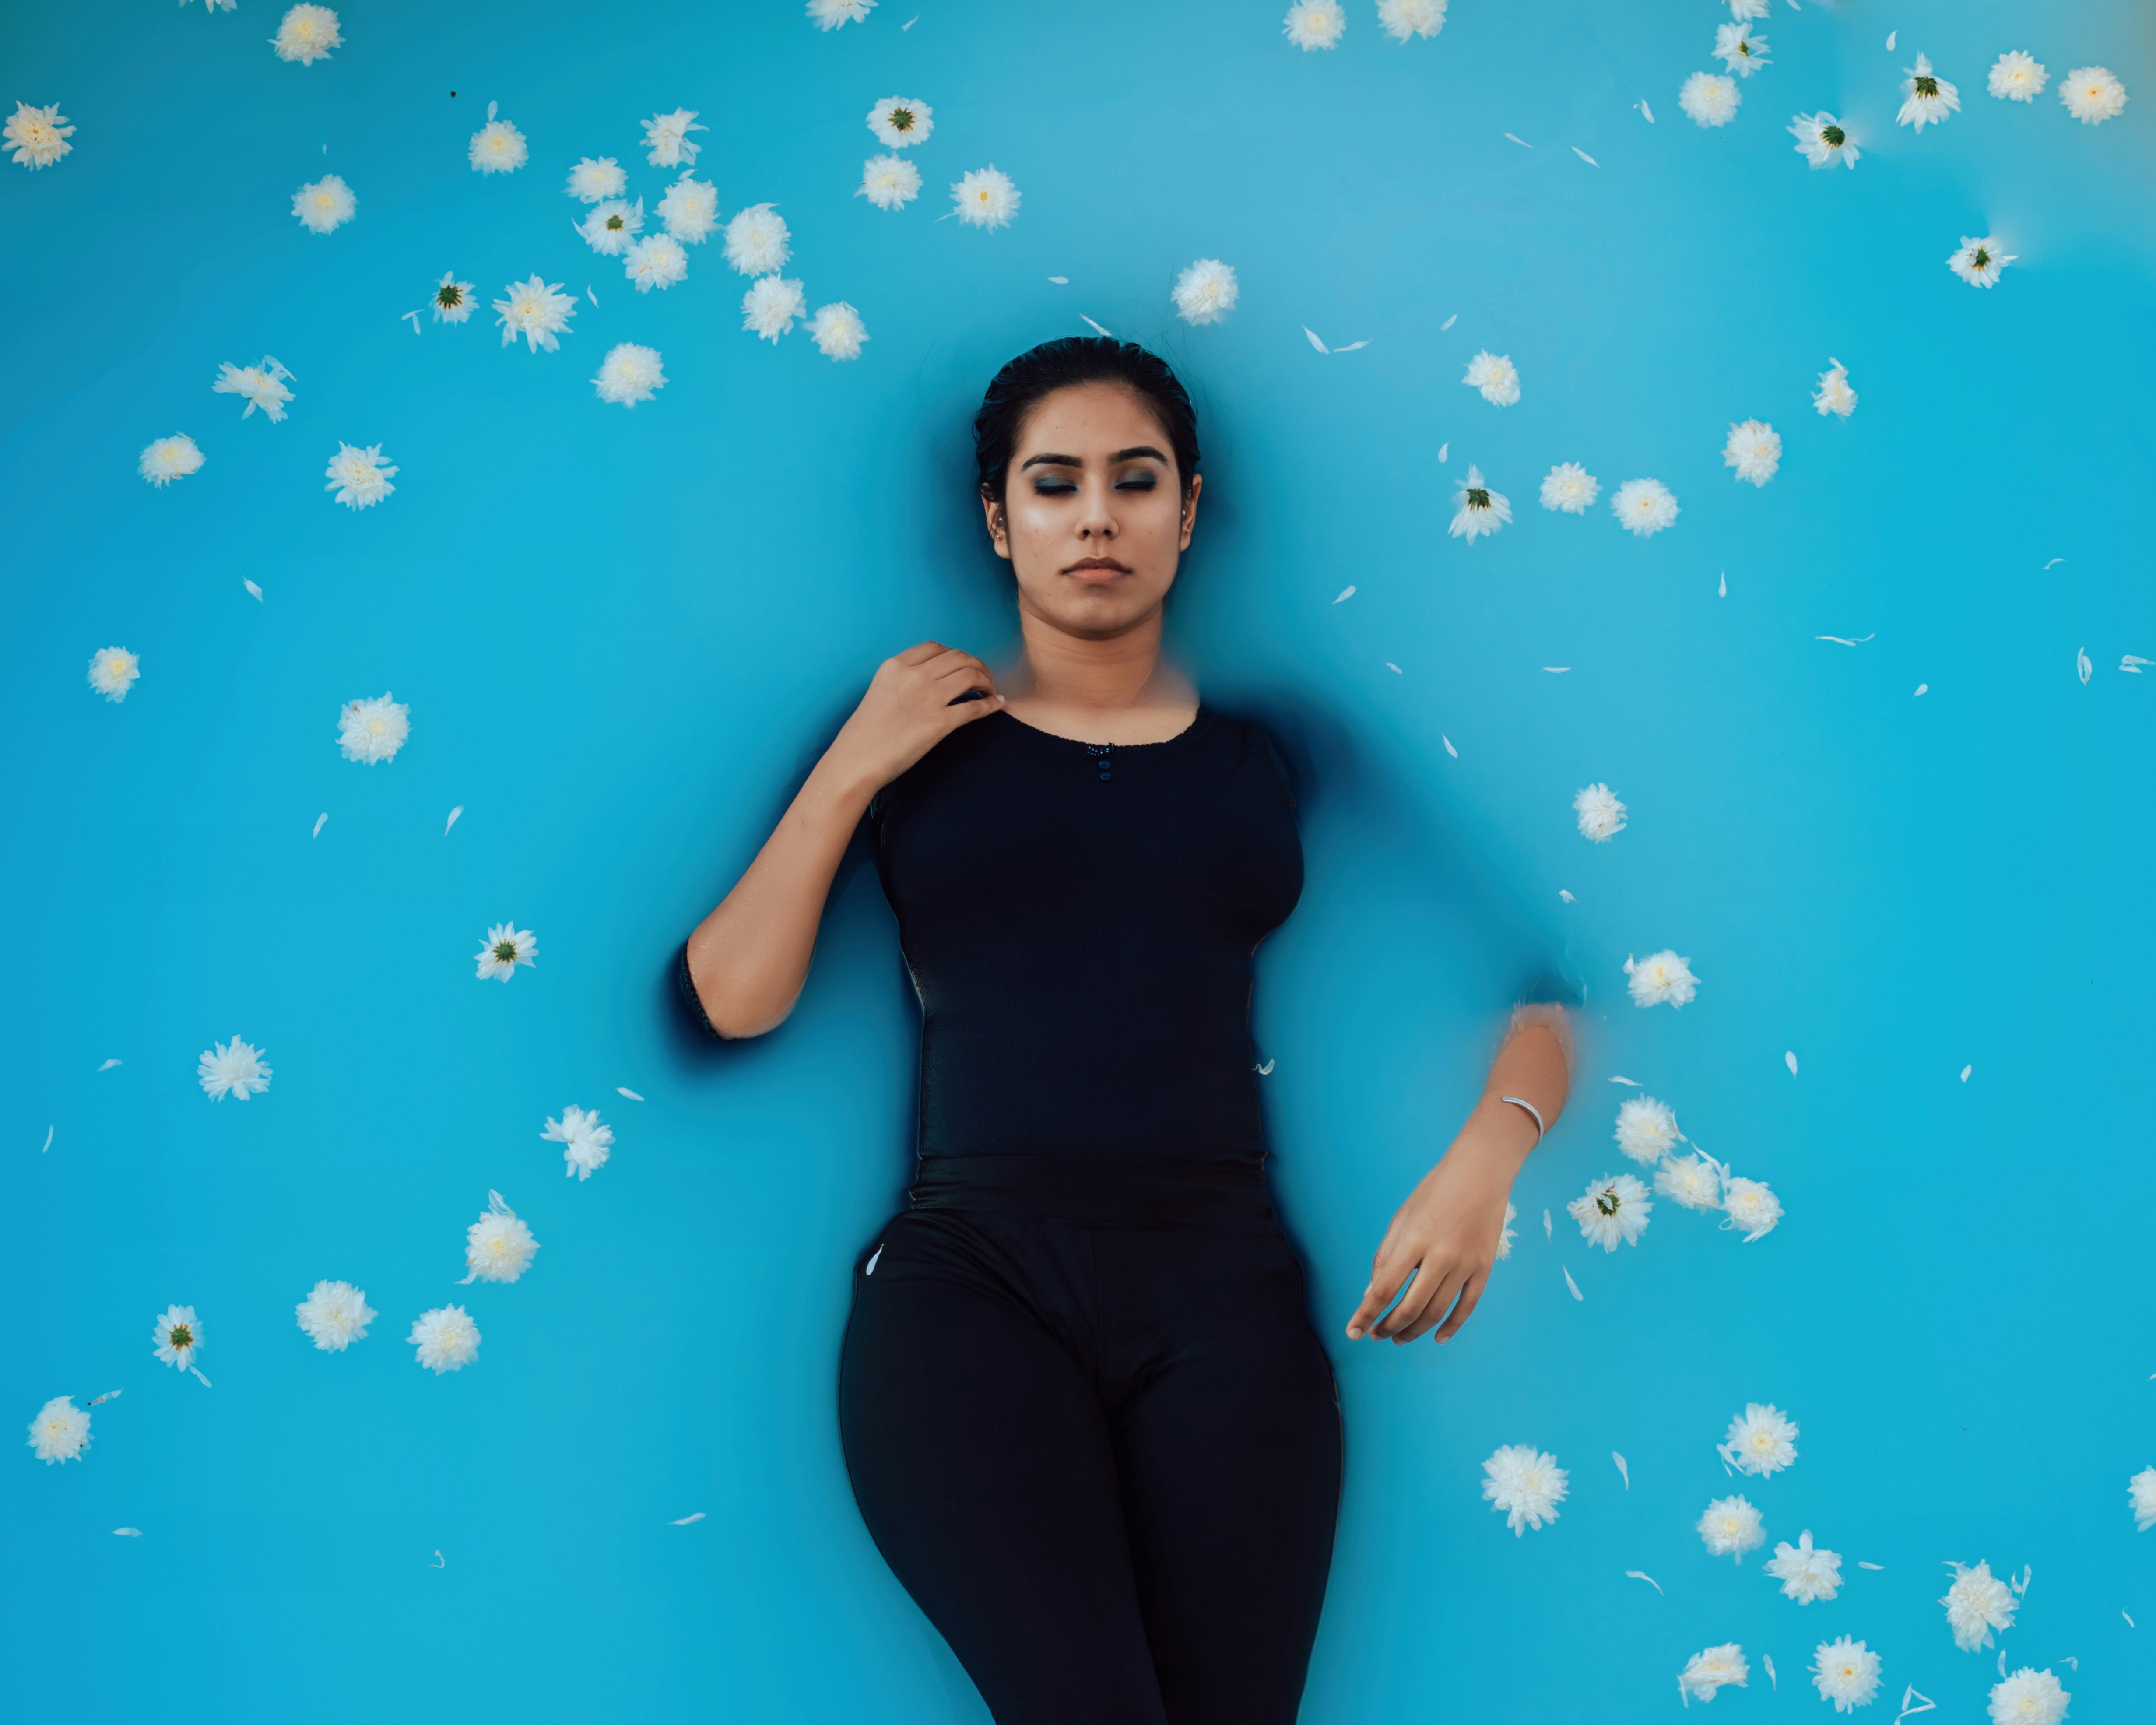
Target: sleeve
685 986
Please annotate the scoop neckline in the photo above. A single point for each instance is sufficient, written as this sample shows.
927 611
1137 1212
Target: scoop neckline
1199 721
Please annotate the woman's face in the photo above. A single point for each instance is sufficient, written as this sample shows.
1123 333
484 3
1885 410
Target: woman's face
1093 519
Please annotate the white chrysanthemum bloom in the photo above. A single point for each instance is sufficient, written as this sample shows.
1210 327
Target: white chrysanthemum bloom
2141 1498
61 1431
594 181
1751 1206
1692 1182
306 33
690 209
371 730
1645 505
1403 18
757 240
324 205
2029 1697
1710 98
658 260
113 671
1754 449
1711 1669
668 136
1612 1211
585 1142
770 304
1979 262
176 1336
838 332
1978 1602
612 228
985 198
1481 509
1822 139
1805 1574
2092 94
1206 292
1660 977
1834 395
2017 76
1646 1129
38 137
889 182
1505 1247
507 947
1570 487
1926 98
334 1315
900 121
1312 24
453 299
1601 815
499 1246
1731 1528
498 148
537 311
1495 376
629 374
1761 1440
261 386
1525 1483
232 1069
1739 50
446 1339
1846 1673
830 14
360 477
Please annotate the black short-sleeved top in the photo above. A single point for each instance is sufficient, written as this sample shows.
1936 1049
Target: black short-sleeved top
1079 921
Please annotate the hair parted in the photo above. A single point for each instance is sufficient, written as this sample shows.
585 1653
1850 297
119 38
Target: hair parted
1066 362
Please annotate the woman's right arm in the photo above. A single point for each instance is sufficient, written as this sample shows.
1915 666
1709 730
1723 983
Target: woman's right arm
750 956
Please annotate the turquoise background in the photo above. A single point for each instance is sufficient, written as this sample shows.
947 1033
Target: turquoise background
623 634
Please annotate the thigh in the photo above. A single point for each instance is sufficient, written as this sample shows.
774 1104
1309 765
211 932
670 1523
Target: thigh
980 1458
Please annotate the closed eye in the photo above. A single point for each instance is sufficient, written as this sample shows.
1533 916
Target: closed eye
1050 484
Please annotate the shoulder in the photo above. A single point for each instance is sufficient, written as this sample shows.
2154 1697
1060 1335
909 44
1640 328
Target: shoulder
1252 745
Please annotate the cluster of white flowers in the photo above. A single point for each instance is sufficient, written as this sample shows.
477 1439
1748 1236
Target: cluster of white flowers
1846 1673
1661 977
371 730
1525 1484
537 311
1613 1211
1711 1669
629 374
233 1069
1206 291
1761 1440
334 1315
1732 1526
1806 1572
585 1142
1754 449
37 137
1481 509
507 947
1601 815
324 205
985 198
1978 1602
113 671
306 33
360 477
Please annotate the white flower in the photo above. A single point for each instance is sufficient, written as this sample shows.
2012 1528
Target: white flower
690 209
1646 1129
1205 292
499 1246
1645 505
1601 815
757 240
592 182
113 671
498 147
176 1335
1834 395
2141 1498
1710 98
1754 449
371 730
1403 18
2029 1697
1761 1440
537 311
1979 262
1846 1673
1690 1182
838 331
1481 511
612 227
359 477
1570 487
1505 1249
1731 1528
453 299
889 182
1739 50
1822 139
586 1144
1751 1206
1742 9
38 137
658 260
1711 1669
446 1339
1611 1211
668 136
261 386
770 304
61 1431
1524 1482
1805 1574
234 1068
2017 76
830 14
1928 98
507 946
1660 977
334 1315
324 204
1978 1602
985 198
1495 376
2092 94
900 121
1315 23
306 33
629 374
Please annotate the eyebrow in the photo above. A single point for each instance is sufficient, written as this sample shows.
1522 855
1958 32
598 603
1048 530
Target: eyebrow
1130 454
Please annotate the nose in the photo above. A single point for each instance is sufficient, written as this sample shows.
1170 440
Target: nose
1096 521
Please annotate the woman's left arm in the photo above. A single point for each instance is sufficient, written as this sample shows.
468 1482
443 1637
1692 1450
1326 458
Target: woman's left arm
1446 1234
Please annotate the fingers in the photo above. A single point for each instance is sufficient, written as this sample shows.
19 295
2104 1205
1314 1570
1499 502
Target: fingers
957 664
919 653
1468 1297
1385 1281
964 712
1427 1301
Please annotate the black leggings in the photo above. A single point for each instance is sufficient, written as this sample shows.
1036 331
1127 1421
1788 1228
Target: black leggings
1093 1433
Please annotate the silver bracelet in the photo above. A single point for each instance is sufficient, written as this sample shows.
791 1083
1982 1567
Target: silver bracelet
1522 1103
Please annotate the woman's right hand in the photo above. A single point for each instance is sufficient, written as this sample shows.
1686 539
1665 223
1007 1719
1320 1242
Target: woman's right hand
907 711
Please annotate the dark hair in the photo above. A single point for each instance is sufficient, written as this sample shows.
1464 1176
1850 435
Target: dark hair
1041 370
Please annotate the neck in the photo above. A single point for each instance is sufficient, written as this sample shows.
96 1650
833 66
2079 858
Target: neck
1068 670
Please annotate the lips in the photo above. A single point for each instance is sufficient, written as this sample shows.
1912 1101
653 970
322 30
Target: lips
1098 567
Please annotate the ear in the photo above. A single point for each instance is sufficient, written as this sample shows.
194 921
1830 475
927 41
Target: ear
998 528
1190 510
